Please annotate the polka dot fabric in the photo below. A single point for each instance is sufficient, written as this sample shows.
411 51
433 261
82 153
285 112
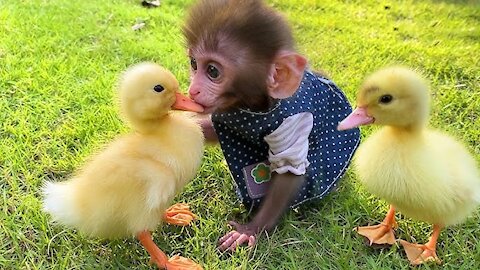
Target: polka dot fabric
241 134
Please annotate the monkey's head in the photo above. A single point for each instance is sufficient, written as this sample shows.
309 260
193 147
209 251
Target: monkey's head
241 55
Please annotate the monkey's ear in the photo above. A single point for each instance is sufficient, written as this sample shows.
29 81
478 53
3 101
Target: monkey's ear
286 74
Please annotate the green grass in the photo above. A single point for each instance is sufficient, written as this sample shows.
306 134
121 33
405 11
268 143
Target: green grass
59 62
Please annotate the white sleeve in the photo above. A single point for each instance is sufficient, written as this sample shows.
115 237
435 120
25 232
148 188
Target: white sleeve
289 144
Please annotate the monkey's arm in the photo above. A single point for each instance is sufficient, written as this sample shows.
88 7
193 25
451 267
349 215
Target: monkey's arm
208 130
283 190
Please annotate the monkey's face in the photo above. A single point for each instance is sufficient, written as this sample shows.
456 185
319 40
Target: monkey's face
233 47
210 75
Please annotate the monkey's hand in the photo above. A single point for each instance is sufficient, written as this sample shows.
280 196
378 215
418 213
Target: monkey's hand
205 122
242 234
283 189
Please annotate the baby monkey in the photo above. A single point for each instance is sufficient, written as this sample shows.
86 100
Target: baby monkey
274 118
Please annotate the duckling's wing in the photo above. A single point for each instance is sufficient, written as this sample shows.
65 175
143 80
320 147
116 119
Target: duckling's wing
160 184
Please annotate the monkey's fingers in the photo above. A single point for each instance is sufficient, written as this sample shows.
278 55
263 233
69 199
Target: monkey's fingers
228 240
242 239
236 239
225 237
252 240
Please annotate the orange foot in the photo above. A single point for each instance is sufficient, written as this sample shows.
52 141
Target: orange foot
161 260
156 255
180 263
419 254
378 234
179 214
382 233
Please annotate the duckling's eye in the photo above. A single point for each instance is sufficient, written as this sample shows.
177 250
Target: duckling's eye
193 64
158 88
213 72
385 99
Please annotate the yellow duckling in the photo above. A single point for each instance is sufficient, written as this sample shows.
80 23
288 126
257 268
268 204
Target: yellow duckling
425 174
125 189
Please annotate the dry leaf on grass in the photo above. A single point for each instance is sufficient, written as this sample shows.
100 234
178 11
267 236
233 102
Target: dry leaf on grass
138 26
151 3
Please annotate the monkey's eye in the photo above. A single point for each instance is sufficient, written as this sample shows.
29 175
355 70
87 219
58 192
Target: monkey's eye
193 63
213 72
385 99
158 88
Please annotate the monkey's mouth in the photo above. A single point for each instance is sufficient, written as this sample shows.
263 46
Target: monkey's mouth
207 109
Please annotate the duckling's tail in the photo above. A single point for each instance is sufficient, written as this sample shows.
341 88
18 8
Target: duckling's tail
58 201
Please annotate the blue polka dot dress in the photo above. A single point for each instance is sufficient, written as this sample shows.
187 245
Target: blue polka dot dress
242 135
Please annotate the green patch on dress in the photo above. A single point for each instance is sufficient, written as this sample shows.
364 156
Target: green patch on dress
261 173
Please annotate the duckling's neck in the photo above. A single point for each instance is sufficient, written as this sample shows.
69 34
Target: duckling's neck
405 131
148 126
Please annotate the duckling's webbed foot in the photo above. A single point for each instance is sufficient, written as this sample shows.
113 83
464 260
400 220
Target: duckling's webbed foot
156 255
180 263
419 254
161 260
382 233
179 214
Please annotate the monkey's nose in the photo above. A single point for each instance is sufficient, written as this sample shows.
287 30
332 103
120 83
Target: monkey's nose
192 92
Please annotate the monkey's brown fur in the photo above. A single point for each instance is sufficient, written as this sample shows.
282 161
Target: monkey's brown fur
247 32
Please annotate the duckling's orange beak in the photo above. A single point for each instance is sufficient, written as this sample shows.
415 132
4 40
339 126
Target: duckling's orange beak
185 103
357 118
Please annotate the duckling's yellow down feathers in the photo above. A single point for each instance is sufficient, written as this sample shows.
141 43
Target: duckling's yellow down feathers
126 188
